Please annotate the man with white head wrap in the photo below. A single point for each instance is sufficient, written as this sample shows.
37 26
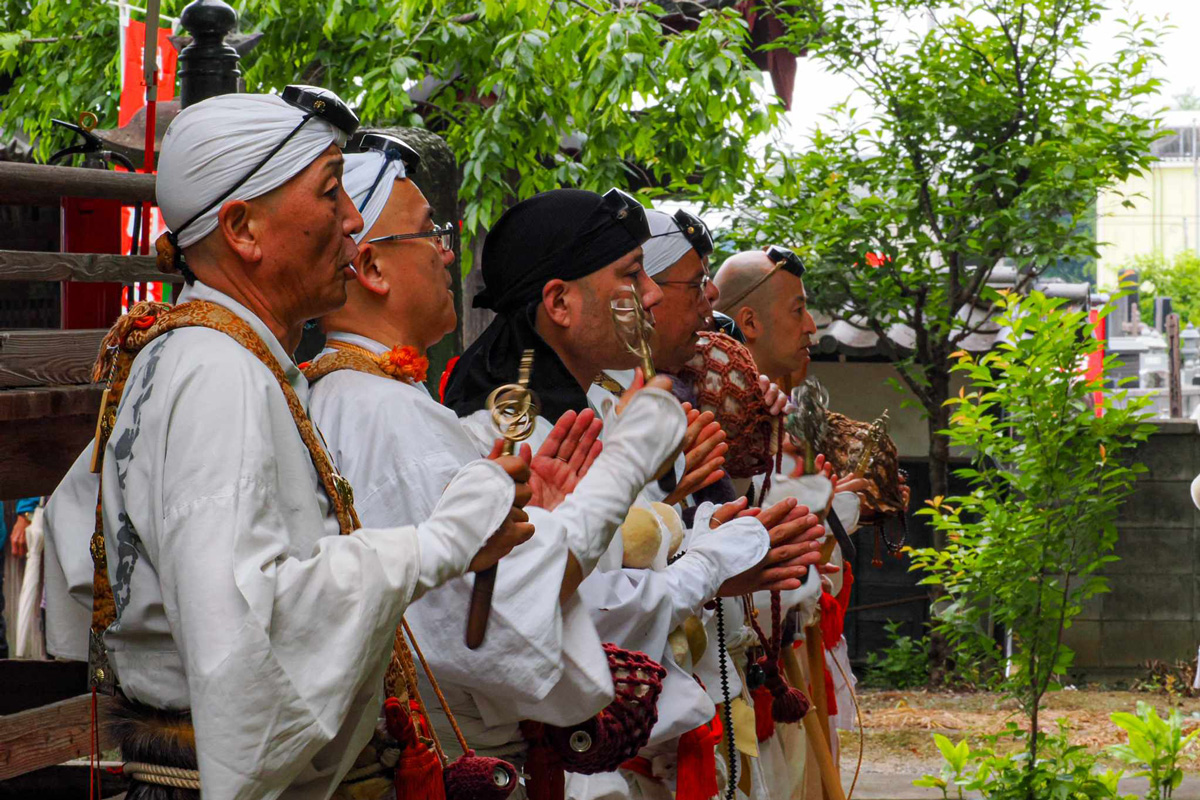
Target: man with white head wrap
541 658
249 639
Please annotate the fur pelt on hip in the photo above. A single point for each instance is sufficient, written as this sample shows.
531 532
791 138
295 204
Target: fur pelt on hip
154 736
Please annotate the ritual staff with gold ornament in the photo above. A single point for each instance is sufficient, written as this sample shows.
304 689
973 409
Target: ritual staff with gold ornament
249 639
541 658
553 266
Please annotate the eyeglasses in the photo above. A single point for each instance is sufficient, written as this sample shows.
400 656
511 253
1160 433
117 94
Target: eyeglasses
786 260
393 150
694 230
700 285
444 235
317 102
627 211
782 259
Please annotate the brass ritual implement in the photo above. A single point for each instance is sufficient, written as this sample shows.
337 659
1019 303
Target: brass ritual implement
875 434
634 326
514 409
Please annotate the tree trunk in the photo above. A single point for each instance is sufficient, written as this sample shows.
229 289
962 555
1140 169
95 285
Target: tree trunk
939 483
939 443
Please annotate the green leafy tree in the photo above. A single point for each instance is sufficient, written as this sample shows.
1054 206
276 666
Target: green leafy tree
988 136
1178 279
1027 544
529 94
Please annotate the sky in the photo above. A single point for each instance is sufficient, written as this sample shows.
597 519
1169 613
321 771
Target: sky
818 91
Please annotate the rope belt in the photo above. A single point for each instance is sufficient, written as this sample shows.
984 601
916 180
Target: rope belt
190 778
163 776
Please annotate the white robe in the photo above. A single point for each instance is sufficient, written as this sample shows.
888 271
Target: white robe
236 597
70 521
540 660
638 608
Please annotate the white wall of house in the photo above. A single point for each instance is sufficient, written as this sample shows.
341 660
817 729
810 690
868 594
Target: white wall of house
1165 209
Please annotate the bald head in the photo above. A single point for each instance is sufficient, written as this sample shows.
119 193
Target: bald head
771 308
737 276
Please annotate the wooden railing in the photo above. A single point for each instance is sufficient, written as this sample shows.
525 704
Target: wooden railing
48 404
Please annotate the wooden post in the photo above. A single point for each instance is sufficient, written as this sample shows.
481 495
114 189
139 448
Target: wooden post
831 780
208 66
814 647
1174 382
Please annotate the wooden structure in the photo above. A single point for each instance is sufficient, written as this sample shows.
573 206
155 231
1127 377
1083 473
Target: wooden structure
48 404
48 408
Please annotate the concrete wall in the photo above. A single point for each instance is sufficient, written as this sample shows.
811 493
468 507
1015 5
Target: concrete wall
1153 609
861 390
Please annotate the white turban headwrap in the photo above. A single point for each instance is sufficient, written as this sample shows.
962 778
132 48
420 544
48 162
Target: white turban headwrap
358 178
666 244
213 144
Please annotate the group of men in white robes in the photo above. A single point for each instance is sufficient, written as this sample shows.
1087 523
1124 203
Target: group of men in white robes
265 528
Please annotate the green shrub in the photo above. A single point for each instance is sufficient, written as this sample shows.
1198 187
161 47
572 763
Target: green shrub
904 664
1155 746
1063 771
1026 547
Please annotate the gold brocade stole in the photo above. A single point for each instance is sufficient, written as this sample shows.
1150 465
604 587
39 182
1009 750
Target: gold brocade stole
605 381
345 356
145 322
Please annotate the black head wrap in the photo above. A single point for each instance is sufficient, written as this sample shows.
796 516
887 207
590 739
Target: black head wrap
565 234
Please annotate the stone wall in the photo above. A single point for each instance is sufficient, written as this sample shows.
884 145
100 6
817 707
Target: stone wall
1153 608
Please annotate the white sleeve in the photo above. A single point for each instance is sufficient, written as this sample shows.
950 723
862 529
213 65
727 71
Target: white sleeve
641 438
539 660
713 557
640 605
68 568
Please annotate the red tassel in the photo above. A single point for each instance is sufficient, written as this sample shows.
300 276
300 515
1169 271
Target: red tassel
419 775
696 777
764 723
832 620
830 694
547 780
419 771
789 704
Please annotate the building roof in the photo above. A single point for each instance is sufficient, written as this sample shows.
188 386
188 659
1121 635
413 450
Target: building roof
854 339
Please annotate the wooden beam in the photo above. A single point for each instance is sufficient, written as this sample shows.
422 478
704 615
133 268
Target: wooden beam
49 735
38 183
47 357
50 401
19 265
38 451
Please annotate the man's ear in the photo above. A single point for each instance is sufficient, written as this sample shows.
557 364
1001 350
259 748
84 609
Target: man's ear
369 274
241 230
748 320
556 302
